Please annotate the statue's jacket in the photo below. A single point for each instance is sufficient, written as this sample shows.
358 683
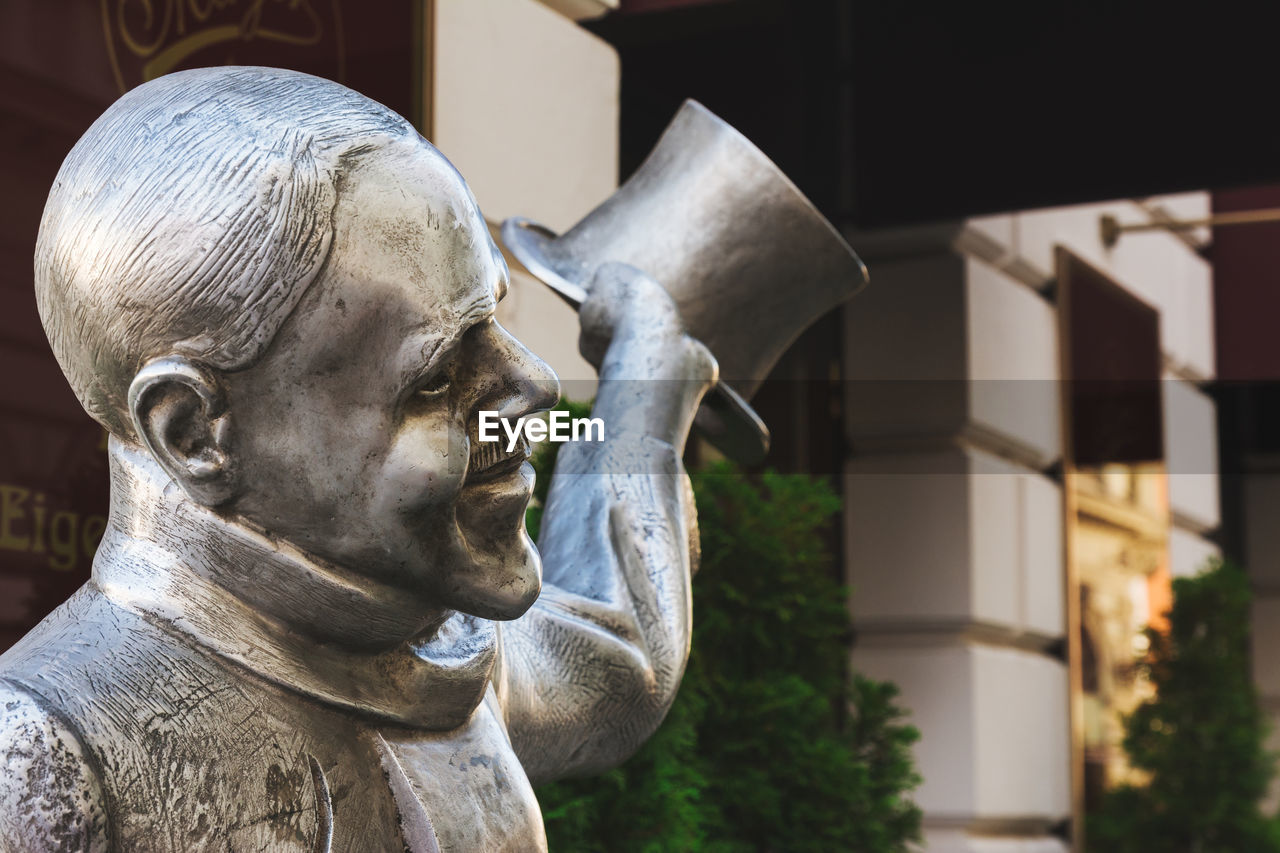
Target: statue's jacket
154 712
174 750
215 689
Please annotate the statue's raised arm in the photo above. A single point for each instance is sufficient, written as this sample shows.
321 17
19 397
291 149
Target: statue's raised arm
589 672
706 243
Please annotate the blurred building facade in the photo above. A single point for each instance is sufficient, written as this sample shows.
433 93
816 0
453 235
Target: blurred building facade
970 524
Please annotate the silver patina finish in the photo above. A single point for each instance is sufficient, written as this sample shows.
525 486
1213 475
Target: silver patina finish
316 621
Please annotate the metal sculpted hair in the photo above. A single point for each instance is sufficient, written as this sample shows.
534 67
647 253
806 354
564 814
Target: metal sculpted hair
191 219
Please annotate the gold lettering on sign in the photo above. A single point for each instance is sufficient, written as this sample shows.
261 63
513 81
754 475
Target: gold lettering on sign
26 526
12 501
162 34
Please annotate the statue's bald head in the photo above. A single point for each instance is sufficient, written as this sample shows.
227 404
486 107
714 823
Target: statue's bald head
190 219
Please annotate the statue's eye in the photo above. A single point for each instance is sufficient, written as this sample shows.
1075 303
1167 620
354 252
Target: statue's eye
435 386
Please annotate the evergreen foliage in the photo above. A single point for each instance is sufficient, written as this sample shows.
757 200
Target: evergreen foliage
1200 738
769 745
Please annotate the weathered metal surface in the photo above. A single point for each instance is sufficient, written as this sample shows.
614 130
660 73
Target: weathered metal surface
315 623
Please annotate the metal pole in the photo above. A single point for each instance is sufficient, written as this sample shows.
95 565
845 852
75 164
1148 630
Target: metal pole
1112 228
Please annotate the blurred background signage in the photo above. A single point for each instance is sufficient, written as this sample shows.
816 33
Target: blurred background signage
148 39
1116 498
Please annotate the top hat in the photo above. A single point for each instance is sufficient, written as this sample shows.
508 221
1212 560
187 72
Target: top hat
748 260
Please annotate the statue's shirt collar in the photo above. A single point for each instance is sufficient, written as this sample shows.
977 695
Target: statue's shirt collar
316 629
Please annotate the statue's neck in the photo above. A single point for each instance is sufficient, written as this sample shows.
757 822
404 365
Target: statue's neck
314 627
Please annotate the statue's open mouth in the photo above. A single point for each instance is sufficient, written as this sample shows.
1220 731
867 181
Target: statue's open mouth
491 459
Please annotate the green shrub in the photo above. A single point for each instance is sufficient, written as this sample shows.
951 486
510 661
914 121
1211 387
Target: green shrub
1200 738
770 746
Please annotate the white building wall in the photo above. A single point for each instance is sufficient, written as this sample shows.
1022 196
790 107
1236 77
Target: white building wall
954 527
525 103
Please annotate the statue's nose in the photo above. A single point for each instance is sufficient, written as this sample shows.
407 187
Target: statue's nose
528 383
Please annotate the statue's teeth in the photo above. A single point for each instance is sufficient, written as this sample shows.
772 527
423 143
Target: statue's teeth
486 454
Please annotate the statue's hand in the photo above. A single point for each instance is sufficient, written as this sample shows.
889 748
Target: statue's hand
631 328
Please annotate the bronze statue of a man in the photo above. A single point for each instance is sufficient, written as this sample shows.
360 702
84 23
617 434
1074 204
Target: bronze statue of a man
316 621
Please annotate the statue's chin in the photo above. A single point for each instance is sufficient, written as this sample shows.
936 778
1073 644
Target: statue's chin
501 582
501 574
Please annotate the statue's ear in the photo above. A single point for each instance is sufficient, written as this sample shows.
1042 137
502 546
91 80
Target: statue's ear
178 408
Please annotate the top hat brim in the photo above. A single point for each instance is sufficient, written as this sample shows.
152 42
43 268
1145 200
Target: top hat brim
724 419
530 244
